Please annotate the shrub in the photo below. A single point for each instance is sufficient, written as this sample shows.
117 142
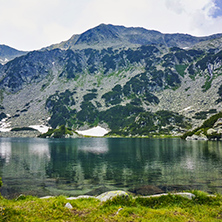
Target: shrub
23 129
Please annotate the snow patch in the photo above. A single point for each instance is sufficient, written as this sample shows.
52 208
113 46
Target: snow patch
4 125
40 128
189 107
5 129
95 131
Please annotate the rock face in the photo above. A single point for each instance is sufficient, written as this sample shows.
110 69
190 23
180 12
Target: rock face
136 82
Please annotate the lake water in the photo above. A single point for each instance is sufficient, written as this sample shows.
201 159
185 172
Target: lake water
85 165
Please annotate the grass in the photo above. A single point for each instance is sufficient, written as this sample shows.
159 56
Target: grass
164 208
181 69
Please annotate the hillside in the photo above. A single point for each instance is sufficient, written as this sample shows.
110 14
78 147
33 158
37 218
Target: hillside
132 81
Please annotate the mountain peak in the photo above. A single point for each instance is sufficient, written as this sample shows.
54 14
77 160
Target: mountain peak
108 35
99 34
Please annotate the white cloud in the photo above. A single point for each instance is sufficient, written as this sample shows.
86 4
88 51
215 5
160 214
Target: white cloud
175 5
32 24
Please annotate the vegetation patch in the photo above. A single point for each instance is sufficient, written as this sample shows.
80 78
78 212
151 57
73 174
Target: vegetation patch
90 96
2 116
207 124
60 132
219 92
113 97
23 129
181 69
58 105
203 114
164 208
207 84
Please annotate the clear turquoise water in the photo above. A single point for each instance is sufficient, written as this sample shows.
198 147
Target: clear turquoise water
77 166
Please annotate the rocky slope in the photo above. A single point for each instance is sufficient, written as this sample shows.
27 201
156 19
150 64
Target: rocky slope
211 129
7 53
133 81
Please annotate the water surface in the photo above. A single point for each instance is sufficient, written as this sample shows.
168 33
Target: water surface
78 166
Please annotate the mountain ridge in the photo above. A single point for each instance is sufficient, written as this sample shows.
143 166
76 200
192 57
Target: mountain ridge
121 36
133 81
8 53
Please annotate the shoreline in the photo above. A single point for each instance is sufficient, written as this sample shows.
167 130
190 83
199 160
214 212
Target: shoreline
36 134
114 206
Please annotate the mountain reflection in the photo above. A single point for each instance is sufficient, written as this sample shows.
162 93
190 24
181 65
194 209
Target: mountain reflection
96 145
40 149
5 151
77 166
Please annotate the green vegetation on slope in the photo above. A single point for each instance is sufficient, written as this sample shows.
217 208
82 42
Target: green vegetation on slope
207 124
60 132
128 120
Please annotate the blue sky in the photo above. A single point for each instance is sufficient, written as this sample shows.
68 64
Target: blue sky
218 10
33 24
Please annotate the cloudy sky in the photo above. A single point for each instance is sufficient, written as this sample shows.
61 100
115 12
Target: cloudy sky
33 24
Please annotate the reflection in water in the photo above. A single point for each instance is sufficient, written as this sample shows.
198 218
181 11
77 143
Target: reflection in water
40 149
77 166
188 164
96 145
5 151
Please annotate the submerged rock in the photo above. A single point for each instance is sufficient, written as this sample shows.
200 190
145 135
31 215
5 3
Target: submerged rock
98 191
146 190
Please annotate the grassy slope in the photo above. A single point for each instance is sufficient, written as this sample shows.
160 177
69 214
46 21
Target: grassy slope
165 208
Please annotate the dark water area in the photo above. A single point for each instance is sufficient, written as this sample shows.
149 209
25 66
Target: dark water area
73 167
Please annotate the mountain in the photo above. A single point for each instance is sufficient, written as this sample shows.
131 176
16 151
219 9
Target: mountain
105 36
132 81
7 53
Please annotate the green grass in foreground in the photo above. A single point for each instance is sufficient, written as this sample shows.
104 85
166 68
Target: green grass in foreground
165 208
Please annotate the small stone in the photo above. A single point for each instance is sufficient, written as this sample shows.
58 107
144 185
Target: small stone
80 197
119 210
69 206
46 197
186 195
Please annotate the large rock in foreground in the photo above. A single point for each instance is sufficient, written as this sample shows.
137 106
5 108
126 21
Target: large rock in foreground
111 194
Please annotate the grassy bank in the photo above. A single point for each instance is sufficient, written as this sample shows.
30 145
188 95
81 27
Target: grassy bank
164 208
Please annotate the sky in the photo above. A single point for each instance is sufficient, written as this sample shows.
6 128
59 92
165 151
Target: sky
33 24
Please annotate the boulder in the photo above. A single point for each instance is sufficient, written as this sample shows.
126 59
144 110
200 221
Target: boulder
218 123
211 131
111 194
197 137
185 195
80 197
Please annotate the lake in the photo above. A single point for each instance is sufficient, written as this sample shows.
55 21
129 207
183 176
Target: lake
71 167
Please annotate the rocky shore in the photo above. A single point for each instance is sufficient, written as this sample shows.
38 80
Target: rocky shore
25 134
